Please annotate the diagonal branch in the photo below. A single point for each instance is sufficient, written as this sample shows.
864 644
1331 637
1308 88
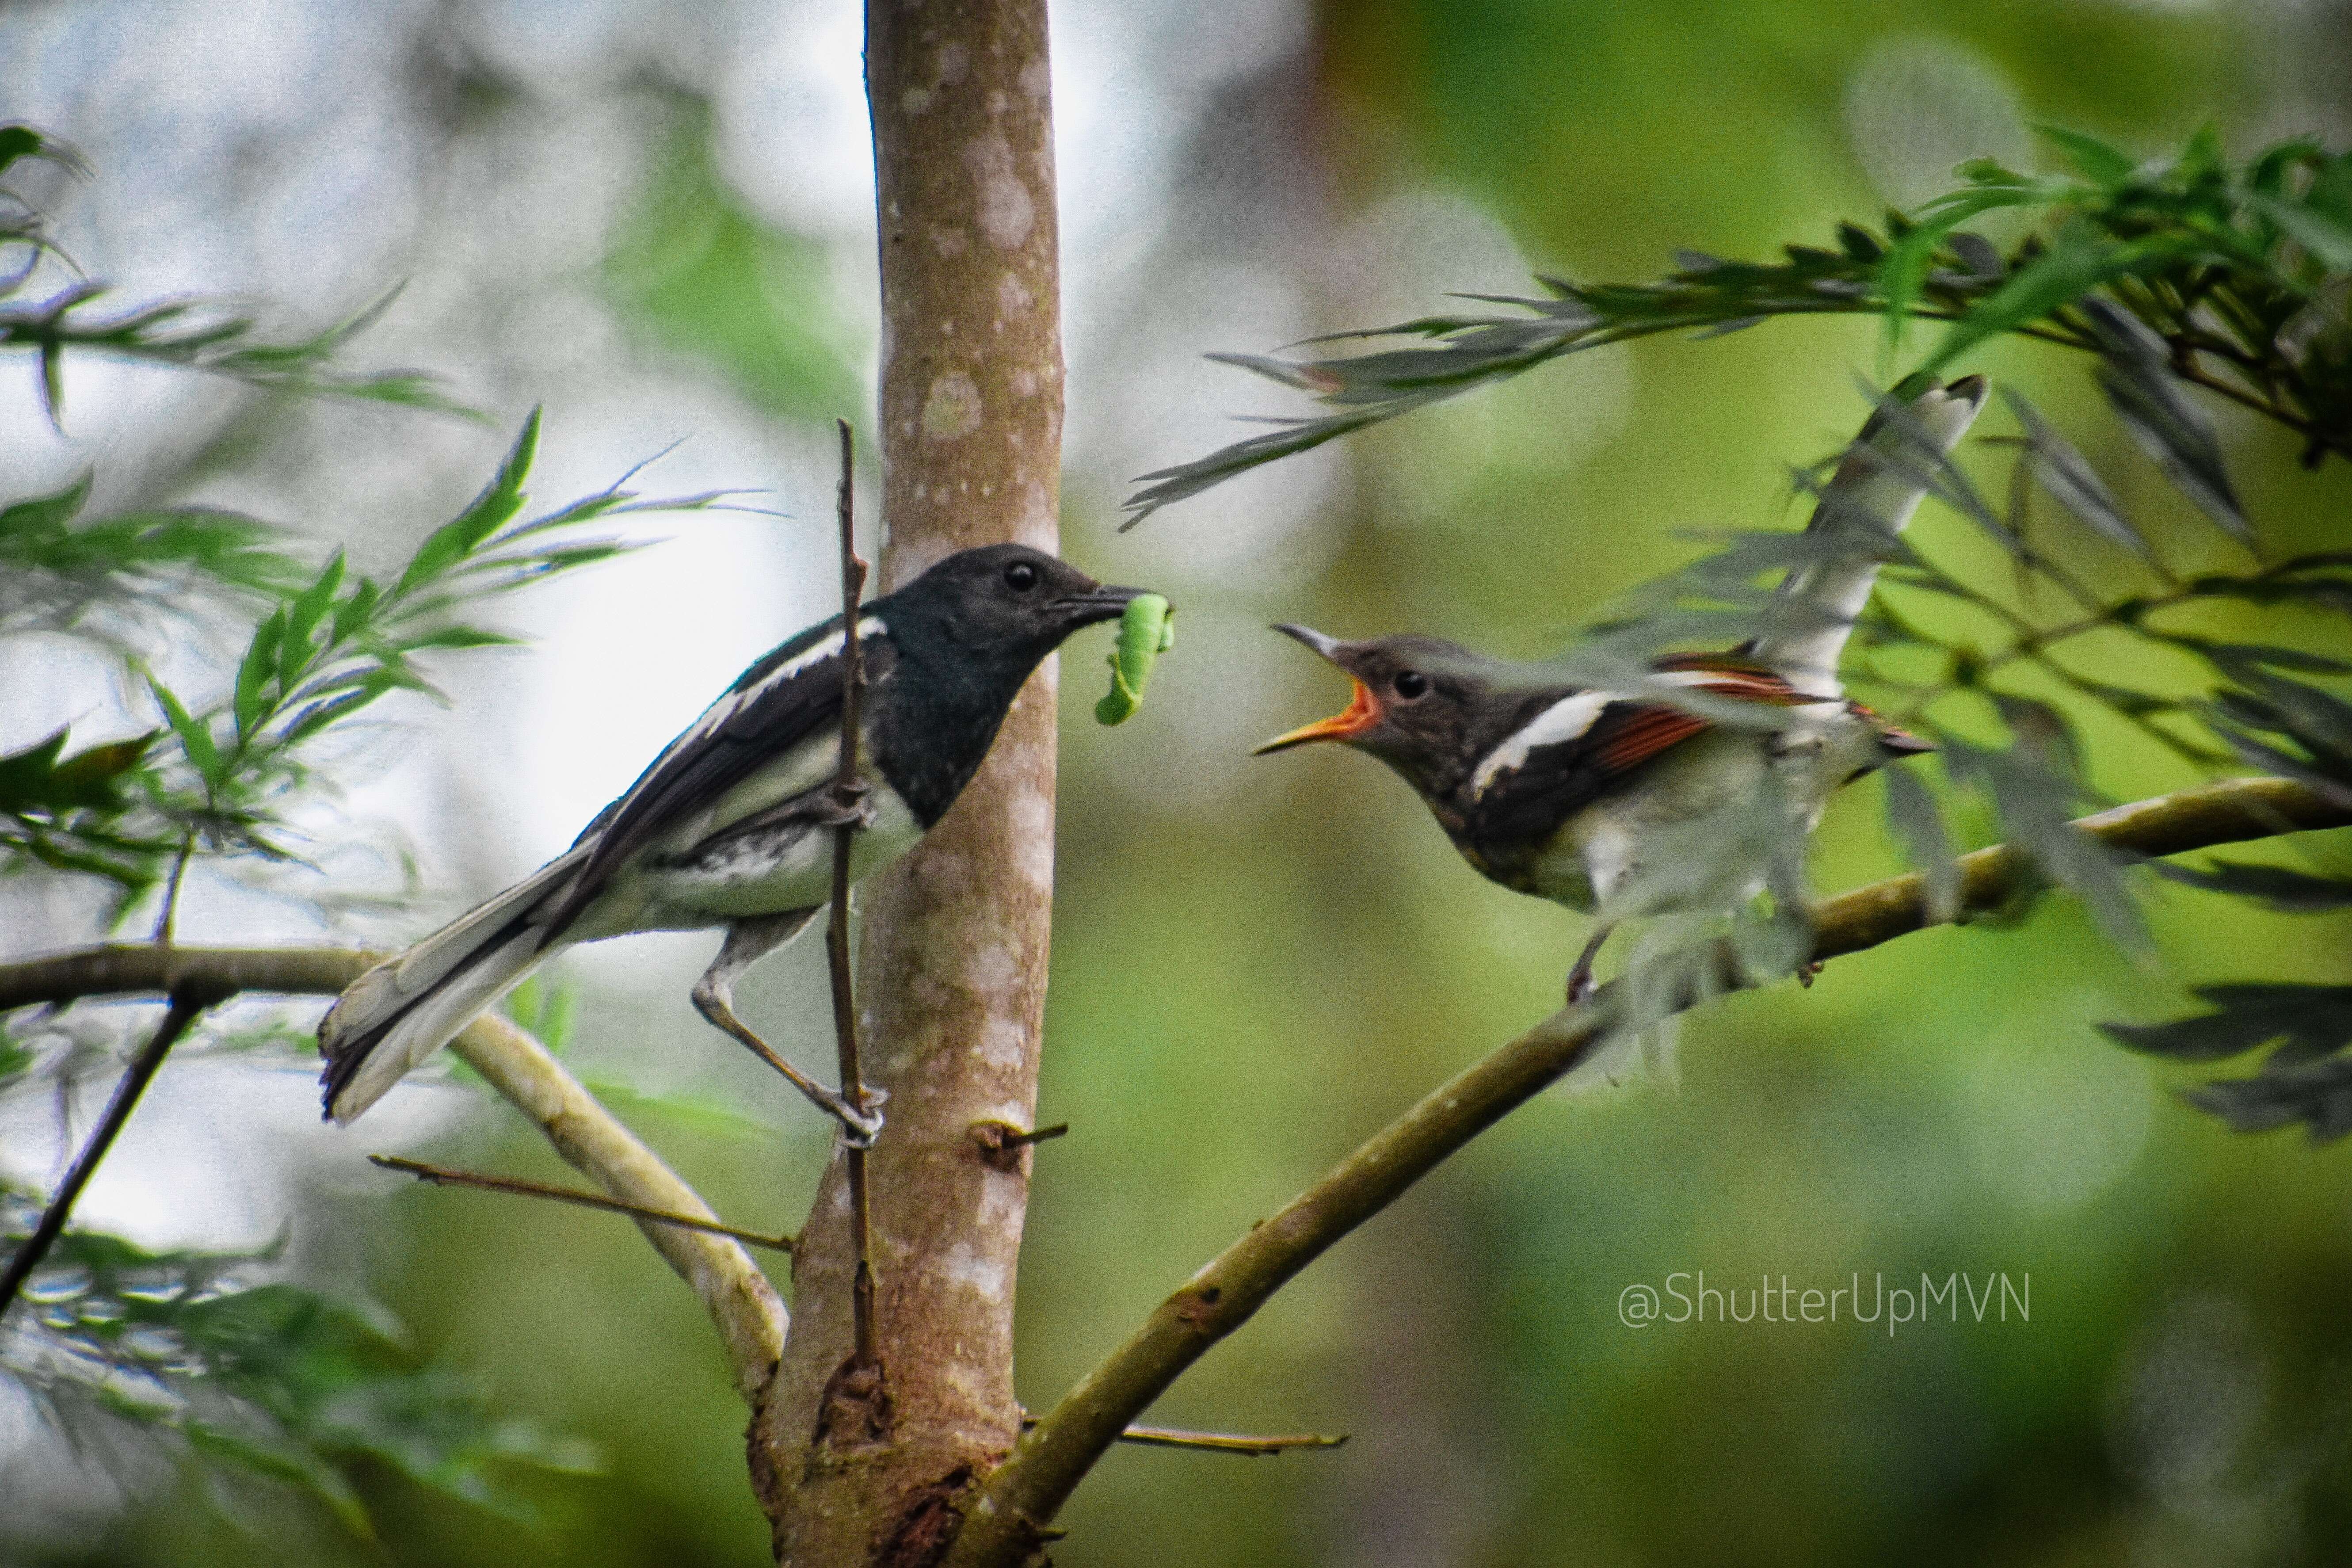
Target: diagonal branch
187 1005
442 1175
743 1306
1006 1520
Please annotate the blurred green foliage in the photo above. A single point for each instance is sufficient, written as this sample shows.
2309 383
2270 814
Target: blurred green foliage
266 1380
1248 980
2169 271
195 1353
708 279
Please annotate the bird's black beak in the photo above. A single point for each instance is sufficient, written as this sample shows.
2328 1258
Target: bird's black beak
1103 602
1361 714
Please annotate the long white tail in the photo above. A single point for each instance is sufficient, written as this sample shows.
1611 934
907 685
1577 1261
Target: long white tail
405 1008
1880 482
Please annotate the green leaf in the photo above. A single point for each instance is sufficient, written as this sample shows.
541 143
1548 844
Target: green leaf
195 736
357 608
2317 1018
1912 812
1904 268
2163 420
491 510
2329 241
2079 260
307 609
2276 887
2096 161
460 637
255 670
2070 480
43 517
18 140
2035 805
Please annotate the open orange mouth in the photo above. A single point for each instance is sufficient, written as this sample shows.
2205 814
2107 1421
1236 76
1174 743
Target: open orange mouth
1359 715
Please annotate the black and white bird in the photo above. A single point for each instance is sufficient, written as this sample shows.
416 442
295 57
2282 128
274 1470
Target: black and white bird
1615 803
727 827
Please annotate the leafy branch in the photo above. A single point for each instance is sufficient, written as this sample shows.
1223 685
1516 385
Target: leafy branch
1009 1517
274 1380
2195 272
190 1350
181 334
331 650
1019 1500
2234 278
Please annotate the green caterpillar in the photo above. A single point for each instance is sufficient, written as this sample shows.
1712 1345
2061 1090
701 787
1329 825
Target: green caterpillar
1145 632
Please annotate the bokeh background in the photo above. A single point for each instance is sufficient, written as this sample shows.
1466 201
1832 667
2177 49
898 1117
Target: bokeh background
656 219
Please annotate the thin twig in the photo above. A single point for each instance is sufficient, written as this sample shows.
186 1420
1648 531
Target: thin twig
187 1005
743 1304
442 1175
1247 1445
850 790
1229 1442
1004 1521
172 887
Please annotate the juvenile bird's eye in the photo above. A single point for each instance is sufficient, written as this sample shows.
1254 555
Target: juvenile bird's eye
1020 577
1411 684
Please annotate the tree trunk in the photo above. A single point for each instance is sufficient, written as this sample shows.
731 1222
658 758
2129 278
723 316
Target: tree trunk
951 974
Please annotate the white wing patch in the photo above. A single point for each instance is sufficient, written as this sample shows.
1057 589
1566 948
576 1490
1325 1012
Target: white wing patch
1566 719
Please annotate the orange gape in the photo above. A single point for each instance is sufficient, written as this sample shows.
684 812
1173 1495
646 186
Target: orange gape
1361 714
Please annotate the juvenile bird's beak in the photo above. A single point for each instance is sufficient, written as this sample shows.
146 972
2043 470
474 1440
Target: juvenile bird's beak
1361 714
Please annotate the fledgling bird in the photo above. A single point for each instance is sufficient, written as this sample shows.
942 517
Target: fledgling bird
1598 799
727 827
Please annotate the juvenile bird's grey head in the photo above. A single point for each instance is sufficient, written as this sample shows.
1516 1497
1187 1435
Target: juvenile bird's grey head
1426 707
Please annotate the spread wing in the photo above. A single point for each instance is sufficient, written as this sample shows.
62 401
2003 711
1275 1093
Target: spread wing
1590 744
789 698
1881 481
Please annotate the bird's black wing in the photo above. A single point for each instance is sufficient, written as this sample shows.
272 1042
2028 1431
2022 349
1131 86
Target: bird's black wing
790 696
1528 802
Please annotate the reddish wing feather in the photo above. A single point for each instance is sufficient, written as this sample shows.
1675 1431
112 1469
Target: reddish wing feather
1645 734
1653 730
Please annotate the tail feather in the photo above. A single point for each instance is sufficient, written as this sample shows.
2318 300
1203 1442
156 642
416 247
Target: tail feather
1879 486
399 1013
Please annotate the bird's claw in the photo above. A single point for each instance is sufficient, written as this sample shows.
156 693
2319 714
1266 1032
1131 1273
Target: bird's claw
847 806
863 1122
1808 971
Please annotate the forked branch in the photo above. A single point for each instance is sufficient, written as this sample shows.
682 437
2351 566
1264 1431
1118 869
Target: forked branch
743 1306
1010 1516
1019 1500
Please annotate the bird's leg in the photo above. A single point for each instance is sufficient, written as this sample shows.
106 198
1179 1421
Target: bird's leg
1580 979
839 804
747 941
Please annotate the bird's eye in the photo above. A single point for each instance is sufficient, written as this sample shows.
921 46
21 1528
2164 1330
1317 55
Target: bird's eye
1411 684
1020 577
